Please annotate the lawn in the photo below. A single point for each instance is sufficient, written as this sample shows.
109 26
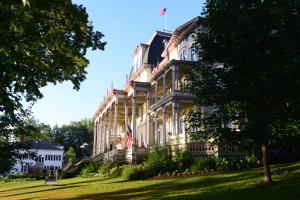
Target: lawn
245 184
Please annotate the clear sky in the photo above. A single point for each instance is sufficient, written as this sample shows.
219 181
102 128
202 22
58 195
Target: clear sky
125 24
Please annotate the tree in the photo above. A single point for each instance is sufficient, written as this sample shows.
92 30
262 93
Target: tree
254 92
75 134
41 42
70 154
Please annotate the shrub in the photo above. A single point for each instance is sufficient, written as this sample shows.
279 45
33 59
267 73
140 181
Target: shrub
235 164
183 159
134 172
88 169
203 164
159 161
115 171
104 169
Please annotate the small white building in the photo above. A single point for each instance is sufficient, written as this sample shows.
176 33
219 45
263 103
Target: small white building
50 156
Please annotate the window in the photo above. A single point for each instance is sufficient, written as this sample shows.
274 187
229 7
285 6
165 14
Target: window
59 157
51 157
193 54
182 55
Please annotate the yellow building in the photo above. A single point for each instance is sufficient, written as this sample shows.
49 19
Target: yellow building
154 101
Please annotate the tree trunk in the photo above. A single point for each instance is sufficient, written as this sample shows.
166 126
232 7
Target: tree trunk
265 160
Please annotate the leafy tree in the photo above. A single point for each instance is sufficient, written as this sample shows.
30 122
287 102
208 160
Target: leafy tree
39 131
70 154
255 92
41 42
75 134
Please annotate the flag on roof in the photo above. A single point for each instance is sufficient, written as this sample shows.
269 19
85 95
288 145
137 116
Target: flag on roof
162 12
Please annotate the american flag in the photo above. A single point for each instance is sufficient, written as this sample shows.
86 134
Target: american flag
162 12
129 138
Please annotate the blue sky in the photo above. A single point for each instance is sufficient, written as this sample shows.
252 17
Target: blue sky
125 24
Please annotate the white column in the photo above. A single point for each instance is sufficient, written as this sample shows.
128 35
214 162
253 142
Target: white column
133 148
115 124
126 122
99 136
95 138
164 86
156 127
174 78
156 91
133 118
105 133
164 126
109 126
147 142
174 109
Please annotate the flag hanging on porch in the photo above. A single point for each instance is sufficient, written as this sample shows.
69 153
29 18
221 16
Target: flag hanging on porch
129 138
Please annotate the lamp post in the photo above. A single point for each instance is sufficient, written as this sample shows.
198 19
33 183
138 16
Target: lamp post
82 147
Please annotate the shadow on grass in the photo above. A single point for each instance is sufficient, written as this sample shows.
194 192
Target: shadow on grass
36 191
59 185
214 187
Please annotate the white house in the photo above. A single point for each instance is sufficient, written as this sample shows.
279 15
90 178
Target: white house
50 156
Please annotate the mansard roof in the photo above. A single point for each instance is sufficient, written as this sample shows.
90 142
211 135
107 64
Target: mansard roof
184 30
156 47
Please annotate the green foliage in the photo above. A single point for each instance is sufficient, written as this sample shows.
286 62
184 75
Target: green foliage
183 159
116 171
104 169
248 161
70 154
134 172
254 93
203 164
159 161
75 134
89 168
43 43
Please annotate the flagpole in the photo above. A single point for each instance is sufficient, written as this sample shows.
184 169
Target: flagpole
165 28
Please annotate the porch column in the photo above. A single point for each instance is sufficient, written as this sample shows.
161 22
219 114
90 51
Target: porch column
174 110
156 90
95 138
105 133
115 124
177 118
164 86
164 126
109 127
99 136
156 127
174 78
147 142
126 122
133 148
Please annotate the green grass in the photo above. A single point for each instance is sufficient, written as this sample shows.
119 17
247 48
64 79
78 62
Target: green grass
244 185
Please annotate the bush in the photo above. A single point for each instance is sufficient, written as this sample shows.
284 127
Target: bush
182 159
203 164
134 172
235 164
104 169
159 161
88 169
116 171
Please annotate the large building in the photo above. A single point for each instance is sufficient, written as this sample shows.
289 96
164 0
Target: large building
154 100
49 157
